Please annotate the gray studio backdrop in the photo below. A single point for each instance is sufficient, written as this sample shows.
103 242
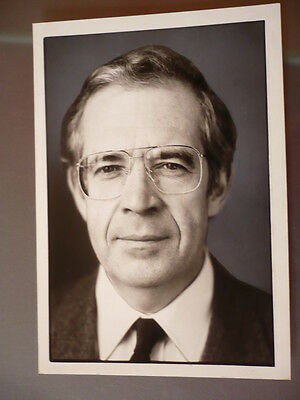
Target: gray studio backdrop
232 59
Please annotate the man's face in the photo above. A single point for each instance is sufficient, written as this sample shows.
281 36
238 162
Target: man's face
144 238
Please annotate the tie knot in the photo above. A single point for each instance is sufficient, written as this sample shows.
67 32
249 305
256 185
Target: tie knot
148 332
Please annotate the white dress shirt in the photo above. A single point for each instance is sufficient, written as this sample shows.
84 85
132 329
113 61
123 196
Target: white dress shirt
185 320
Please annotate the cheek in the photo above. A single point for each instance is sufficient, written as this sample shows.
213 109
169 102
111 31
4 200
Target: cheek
192 221
98 220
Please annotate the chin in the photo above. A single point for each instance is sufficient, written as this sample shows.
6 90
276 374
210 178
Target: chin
143 274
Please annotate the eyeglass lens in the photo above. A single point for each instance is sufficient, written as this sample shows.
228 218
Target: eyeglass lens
172 169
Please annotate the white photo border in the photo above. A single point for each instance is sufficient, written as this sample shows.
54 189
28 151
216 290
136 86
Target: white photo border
270 14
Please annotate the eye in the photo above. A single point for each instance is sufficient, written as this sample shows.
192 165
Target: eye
169 169
172 166
108 169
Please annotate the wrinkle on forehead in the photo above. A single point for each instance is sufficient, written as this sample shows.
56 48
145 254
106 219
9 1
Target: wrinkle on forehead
141 113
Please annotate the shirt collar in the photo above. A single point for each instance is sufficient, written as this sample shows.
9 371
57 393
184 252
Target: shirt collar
185 320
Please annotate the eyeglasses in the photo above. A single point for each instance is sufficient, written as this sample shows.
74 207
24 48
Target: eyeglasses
172 169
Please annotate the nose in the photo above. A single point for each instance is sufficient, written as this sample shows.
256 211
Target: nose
139 194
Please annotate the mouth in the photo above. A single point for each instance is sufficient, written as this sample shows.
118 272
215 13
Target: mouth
142 238
141 245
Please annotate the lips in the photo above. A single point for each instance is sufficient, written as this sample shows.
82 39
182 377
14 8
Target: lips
142 238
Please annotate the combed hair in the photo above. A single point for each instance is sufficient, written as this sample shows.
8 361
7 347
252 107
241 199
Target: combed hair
157 66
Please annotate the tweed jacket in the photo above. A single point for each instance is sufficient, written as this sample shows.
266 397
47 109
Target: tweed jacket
240 333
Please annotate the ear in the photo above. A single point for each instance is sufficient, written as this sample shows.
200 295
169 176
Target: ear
77 194
218 196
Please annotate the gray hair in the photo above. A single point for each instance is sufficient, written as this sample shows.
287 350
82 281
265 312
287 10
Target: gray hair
157 65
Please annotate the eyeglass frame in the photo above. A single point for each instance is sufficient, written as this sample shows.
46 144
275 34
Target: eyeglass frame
131 157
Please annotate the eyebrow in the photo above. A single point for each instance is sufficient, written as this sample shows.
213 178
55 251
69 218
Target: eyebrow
108 157
187 158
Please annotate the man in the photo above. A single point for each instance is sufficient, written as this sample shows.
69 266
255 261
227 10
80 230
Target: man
148 148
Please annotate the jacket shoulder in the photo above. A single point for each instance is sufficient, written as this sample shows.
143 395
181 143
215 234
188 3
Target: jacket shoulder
73 321
241 330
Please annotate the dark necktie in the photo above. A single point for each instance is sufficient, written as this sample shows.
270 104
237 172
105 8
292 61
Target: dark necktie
148 333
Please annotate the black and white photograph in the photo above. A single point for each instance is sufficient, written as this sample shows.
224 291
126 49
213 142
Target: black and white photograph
162 243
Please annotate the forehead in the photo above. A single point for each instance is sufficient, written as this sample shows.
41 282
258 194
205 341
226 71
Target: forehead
129 117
